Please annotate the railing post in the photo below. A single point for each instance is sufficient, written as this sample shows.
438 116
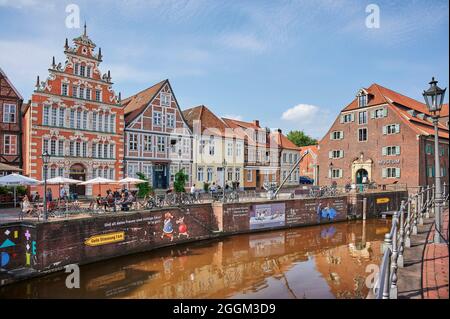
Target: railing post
430 196
402 235
394 266
364 208
408 225
416 213
422 205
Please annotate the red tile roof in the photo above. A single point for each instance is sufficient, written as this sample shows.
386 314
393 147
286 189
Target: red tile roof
402 104
282 141
208 120
135 104
312 148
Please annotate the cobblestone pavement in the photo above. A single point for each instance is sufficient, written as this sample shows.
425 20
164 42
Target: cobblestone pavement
435 265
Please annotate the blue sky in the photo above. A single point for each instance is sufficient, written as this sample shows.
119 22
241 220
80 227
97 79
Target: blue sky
243 59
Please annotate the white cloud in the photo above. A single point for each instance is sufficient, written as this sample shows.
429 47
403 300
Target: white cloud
20 4
301 112
233 117
23 67
245 42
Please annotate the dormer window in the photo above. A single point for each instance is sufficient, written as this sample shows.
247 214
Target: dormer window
362 100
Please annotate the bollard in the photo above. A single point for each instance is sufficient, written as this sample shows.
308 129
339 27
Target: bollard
364 208
402 235
408 225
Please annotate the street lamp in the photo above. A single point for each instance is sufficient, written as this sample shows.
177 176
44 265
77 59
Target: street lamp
434 97
45 160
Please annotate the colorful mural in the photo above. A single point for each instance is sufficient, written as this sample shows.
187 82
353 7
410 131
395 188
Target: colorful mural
267 215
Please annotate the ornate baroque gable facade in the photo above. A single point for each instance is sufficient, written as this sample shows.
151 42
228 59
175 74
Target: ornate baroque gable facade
77 118
158 141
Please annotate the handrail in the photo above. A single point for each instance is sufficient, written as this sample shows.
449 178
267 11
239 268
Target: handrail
416 207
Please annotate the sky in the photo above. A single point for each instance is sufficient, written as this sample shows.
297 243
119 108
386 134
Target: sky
290 64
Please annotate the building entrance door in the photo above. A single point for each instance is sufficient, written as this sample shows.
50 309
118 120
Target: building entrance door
361 176
160 176
220 179
78 172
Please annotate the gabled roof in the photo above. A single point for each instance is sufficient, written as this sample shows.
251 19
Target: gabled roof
10 84
242 124
381 95
136 104
312 148
282 141
404 106
208 120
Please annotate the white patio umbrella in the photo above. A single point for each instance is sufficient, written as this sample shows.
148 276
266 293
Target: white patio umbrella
131 180
17 180
62 181
98 181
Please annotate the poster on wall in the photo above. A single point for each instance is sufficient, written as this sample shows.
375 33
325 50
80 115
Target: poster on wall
267 215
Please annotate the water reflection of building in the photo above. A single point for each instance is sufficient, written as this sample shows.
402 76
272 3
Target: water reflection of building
243 265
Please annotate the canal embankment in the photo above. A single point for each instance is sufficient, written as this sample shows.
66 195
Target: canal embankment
37 248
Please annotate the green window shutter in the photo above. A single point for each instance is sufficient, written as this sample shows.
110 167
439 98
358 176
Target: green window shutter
342 119
397 128
384 172
329 173
384 151
342 154
397 172
331 135
384 129
352 115
385 112
397 150
372 114
330 154
342 135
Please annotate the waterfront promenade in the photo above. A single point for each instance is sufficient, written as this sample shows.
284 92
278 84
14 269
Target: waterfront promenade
426 265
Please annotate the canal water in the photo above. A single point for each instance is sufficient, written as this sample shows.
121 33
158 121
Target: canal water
326 261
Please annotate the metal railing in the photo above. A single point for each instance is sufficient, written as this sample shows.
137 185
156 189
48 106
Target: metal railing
405 223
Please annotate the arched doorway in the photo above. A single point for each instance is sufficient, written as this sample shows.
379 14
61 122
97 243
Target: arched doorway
78 172
361 175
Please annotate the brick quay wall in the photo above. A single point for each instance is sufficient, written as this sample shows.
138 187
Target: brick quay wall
30 249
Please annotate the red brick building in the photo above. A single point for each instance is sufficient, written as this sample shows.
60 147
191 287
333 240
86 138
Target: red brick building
384 137
308 166
77 118
10 123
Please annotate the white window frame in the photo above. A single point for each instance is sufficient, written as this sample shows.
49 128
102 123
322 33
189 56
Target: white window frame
9 144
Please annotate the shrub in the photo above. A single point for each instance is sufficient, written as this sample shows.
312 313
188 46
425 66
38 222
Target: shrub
180 181
144 188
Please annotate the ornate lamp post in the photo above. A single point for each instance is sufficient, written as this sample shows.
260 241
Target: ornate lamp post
45 160
434 97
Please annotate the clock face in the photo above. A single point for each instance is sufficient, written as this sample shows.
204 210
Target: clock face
84 50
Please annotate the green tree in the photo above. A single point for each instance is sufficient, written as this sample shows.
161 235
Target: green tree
144 188
179 183
299 138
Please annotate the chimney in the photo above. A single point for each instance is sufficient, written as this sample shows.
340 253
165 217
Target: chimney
256 122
